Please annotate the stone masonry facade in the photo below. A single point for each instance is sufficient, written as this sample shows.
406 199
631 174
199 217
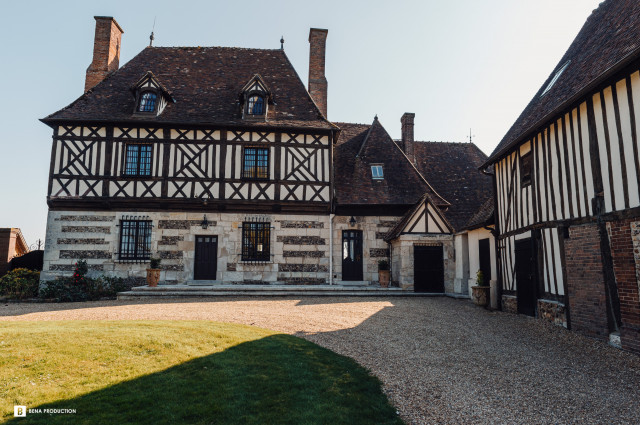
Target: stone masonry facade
585 281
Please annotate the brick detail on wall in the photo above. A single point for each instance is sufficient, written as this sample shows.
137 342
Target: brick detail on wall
290 224
170 255
85 254
86 218
302 268
304 254
378 253
181 224
170 240
82 241
86 229
72 267
585 281
624 237
301 240
303 280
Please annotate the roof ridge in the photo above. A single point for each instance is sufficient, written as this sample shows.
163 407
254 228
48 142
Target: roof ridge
212 47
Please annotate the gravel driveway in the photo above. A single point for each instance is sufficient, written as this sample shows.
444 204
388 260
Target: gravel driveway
441 360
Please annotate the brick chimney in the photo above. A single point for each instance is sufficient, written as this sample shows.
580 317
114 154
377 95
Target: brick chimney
106 51
407 133
317 79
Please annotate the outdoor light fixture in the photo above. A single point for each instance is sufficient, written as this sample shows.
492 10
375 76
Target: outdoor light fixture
352 221
205 222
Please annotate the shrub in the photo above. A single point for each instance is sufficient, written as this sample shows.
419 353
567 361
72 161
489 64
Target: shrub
20 283
480 278
154 263
383 265
66 289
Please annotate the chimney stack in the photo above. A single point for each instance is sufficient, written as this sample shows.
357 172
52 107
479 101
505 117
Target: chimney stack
317 79
106 51
407 133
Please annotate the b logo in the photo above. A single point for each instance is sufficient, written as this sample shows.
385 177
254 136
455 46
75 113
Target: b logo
19 411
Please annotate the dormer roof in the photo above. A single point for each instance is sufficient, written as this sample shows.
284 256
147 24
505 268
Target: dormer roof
149 80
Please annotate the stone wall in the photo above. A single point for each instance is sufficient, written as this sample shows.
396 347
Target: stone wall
402 271
552 311
585 281
299 246
510 304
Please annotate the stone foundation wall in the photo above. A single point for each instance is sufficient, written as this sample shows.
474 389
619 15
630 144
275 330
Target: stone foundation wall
510 304
403 265
299 246
552 311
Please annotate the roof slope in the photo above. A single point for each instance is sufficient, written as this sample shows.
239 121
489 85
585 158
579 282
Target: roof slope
206 83
452 170
482 217
610 37
357 148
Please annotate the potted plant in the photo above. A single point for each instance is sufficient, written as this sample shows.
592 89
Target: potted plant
153 272
383 273
480 292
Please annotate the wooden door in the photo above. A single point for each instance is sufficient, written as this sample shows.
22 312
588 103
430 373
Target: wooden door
484 252
206 258
352 255
428 269
525 278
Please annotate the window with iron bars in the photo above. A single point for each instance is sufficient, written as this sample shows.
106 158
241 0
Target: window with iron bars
255 163
138 160
256 238
135 240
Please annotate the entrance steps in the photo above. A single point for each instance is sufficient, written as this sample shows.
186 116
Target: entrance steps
276 290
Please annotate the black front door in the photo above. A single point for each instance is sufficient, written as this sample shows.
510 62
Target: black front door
206 261
352 255
525 282
428 269
484 252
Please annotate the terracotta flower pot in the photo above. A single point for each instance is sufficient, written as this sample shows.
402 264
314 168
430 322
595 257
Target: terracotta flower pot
480 295
383 278
153 276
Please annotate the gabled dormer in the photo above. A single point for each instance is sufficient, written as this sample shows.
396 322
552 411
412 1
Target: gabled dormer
151 96
256 98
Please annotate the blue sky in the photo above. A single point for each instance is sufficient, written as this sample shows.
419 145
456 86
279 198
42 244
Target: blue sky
456 64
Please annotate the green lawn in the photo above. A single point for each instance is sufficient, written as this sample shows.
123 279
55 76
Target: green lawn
178 372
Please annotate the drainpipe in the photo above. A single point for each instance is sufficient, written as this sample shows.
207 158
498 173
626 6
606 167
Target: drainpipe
331 216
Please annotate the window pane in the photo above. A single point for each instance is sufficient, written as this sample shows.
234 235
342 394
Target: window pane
255 105
132 160
145 160
255 241
135 239
147 102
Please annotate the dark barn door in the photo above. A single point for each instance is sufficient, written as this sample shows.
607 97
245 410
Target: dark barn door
484 250
206 261
428 269
525 282
352 255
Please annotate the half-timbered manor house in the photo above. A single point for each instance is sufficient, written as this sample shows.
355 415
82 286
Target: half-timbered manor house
568 186
220 162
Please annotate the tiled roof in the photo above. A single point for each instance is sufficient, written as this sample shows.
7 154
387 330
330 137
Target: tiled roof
609 39
482 217
206 83
452 170
358 147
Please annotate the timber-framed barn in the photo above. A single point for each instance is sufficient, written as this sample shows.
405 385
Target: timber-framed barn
220 162
567 178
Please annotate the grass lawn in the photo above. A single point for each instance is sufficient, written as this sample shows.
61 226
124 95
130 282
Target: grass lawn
179 372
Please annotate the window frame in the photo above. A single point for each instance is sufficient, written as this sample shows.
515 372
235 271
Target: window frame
526 169
249 251
139 93
256 168
381 177
138 171
141 230
248 109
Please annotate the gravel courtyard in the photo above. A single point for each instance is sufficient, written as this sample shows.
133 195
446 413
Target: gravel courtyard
441 360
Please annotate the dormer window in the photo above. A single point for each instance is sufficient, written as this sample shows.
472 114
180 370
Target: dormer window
376 172
151 97
255 105
147 102
255 98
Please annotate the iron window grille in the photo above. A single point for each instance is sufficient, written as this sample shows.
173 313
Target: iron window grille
377 172
138 160
256 237
147 102
255 163
135 240
526 162
255 105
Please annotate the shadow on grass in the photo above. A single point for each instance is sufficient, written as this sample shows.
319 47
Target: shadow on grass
279 379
